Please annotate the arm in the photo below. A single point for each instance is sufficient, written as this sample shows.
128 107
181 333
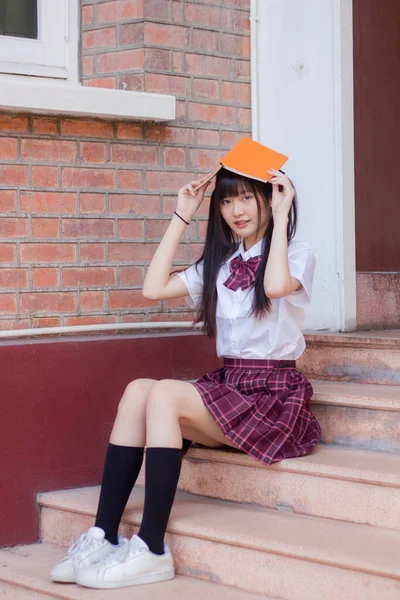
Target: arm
158 285
278 281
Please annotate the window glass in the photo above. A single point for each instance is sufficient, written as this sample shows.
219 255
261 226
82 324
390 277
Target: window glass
18 18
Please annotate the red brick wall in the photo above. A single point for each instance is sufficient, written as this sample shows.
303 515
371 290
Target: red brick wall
83 203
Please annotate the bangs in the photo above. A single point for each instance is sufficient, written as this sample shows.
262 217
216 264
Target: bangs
229 184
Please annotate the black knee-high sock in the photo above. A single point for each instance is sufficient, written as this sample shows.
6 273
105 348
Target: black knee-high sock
163 466
121 469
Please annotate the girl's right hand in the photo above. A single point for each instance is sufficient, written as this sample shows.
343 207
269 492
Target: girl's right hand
189 201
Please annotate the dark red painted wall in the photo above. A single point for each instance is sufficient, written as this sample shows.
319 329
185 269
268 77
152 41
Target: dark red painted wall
59 400
377 133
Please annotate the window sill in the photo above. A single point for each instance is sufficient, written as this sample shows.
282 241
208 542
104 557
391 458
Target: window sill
81 101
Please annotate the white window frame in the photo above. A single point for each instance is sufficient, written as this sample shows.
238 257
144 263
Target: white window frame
55 53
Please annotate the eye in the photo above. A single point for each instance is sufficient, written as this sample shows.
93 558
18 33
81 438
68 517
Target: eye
247 197
225 201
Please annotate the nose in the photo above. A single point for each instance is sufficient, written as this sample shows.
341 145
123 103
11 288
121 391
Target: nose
237 209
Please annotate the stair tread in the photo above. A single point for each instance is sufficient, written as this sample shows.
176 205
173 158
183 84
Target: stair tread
381 468
29 567
357 395
342 544
383 337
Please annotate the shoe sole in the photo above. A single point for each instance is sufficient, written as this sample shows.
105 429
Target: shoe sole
150 578
62 579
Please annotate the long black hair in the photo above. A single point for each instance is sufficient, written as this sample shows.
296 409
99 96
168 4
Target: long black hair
221 243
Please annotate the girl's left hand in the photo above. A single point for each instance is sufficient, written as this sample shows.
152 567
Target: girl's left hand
281 201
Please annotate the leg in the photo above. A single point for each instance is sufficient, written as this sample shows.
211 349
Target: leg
124 457
170 405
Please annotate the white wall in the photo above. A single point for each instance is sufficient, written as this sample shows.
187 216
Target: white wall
307 113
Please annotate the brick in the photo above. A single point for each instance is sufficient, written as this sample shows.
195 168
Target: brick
205 159
7 324
197 64
83 128
244 117
13 227
206 88
130 180
88 178
119 10
175 303
124 60
167 84
155 229
14 278
93 152
203 229
131 81
45 176
87 65
92 301
167 180
207 137
101 82
135 155
45 277
44 125
38 323
48 150
45 228
195 251
232 44
88 320
131 33
235 92
13 124
235 20
188 316
7 253
129 131
92 203
8 201
8 148
131 276
171 135
88 228
99 38
92 253
13 175
176 11
204 40
174 157
242 68
124 299
230 138
130 204
177 61
157 59
127 252
213 113
162 34
48 202
8 304
44 302
87 15
169 205
48 253
156 9
202 15
130 229
88 276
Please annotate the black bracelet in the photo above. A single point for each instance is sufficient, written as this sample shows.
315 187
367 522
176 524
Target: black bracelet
182 219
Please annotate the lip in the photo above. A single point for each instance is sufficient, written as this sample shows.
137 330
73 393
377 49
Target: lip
241 225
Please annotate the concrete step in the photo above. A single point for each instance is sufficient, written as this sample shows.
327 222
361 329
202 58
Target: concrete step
293 557
357 415
24 572
346 485
362 356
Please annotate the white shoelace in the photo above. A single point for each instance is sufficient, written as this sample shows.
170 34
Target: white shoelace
84 542
125 550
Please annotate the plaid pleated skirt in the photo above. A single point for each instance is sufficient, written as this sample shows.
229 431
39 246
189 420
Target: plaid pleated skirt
262 407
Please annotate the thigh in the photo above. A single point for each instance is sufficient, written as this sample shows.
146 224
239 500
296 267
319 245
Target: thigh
195 420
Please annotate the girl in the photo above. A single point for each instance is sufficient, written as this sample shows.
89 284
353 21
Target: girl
250 287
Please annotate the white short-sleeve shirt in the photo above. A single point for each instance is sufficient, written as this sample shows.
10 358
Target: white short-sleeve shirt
277 336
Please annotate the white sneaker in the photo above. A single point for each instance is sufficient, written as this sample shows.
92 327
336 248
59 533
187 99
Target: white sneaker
131 564
89 548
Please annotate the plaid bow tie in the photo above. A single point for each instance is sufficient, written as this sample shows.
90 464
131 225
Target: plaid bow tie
242 273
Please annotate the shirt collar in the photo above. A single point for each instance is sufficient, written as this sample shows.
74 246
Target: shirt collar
255 250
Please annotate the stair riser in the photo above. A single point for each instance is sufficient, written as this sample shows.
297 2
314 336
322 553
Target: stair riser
358 364
246 568
359 427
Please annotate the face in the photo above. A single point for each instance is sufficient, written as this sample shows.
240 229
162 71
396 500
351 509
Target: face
241 214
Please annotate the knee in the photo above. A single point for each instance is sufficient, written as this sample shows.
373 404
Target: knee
161 398
134 399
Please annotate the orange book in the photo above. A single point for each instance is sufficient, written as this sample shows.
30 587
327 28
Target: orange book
250 159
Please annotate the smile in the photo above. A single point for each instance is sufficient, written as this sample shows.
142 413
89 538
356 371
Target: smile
241 223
